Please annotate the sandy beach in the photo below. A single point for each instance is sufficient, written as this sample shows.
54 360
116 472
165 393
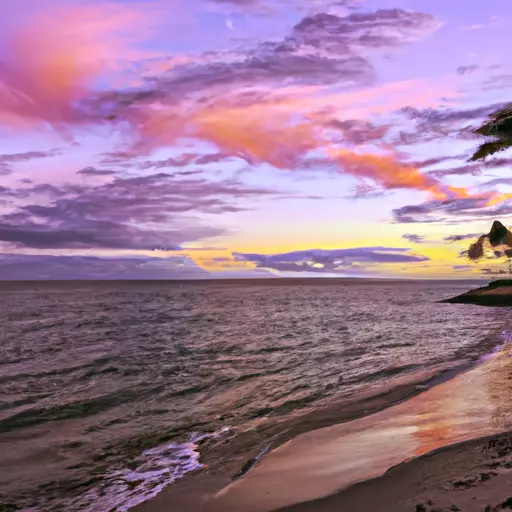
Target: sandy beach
474 476
442 449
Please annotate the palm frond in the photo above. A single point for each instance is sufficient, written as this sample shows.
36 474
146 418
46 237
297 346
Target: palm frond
489 148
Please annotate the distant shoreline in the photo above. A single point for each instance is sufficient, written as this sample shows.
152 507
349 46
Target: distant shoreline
248 280
496 293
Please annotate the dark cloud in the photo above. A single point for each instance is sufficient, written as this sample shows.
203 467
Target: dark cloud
383 28
367 191
29 155
463 170
433 123
450 209
7 160
358 132
330 261
496 182
433 116
92 171
497 82
42 189
472 169
145 212
415 239
459 238
45 267
320 49
466 70
269 64
184 160
495 271
429 162
118 157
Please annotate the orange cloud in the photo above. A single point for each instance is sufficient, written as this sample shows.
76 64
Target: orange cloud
498 198
282 131
386 171
258 133
285 126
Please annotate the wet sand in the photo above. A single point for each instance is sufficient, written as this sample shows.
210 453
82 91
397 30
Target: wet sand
445 448
326 461
200 491
474 476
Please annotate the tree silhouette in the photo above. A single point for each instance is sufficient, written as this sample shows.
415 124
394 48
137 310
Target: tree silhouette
498 129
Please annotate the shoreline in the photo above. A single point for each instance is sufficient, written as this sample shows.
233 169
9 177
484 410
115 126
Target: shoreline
470 476
194 491
318 470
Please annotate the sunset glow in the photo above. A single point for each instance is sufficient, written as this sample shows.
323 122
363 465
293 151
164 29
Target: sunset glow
245 139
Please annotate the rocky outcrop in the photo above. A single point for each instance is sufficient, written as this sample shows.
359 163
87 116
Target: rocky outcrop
496 293
498 240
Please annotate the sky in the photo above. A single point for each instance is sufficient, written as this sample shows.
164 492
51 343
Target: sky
169 139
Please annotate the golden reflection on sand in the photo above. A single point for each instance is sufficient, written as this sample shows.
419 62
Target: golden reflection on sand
324 461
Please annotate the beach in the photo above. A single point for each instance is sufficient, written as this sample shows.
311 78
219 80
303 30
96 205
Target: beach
157 396
436 451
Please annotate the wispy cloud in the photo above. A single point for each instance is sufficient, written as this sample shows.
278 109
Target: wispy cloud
451 210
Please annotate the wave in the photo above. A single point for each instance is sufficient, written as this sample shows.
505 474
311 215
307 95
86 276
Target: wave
151 472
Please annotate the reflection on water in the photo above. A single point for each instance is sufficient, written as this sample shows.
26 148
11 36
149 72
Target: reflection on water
85 389
321 462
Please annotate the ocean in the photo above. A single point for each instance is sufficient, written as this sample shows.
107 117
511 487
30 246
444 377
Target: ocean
110 390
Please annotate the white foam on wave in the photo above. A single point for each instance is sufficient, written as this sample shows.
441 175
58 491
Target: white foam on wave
156 468
505 337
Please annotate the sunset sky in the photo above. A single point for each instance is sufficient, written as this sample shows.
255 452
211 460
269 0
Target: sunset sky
249 138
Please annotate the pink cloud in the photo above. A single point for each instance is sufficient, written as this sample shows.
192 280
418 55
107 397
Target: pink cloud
56 54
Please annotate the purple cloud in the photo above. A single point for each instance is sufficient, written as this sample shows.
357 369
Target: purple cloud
22 267
383 28
92 171
330 261
466 70
429 162
358 132
5 169
451 209
320 49
141 213
7 160
433 123
28 155
184 160
415 239
459 238
463 170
